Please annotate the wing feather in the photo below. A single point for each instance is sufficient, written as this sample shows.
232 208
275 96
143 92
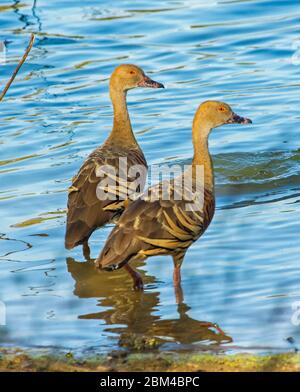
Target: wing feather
149 228
85 211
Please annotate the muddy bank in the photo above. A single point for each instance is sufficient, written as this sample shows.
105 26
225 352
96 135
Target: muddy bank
25 361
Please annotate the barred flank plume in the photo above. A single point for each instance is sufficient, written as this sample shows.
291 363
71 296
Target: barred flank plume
150 228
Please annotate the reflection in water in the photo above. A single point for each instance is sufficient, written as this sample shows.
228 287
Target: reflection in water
35 15
59 107
7 251
23 18
132 314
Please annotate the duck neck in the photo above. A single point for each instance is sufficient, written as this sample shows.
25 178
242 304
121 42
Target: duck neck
202 156
121 133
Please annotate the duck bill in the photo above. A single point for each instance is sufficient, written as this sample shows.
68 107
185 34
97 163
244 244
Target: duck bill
236 119
147 82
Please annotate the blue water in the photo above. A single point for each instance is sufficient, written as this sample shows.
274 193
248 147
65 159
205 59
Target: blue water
243 274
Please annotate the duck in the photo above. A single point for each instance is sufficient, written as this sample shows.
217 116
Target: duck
159 223
86 212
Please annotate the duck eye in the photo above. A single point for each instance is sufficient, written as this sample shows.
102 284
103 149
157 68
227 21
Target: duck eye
131 72
221 109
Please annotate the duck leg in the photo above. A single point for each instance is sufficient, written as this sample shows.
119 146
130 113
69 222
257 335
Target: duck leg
178 259
138 284
86 250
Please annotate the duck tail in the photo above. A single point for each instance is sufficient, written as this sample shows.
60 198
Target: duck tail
109 261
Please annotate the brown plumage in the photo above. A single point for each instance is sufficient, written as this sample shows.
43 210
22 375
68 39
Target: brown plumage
168 227
85 211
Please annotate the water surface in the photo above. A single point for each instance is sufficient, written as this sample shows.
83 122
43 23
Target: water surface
241 279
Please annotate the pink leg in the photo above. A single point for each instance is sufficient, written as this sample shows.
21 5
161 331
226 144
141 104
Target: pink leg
178 259
177 284
177 276
138 284
86 250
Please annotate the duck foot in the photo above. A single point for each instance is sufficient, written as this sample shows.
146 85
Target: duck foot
86 250
138 284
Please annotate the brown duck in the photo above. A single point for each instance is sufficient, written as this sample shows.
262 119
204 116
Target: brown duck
85 211
153 226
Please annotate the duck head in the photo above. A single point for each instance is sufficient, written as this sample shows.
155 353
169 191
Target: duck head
214 114
128 76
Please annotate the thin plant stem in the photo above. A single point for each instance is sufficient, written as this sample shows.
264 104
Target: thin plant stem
21 62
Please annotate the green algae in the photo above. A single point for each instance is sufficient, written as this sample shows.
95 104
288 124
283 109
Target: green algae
27 361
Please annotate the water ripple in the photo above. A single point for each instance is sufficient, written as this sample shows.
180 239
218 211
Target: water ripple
242 275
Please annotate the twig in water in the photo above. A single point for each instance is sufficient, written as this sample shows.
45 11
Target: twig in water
18 67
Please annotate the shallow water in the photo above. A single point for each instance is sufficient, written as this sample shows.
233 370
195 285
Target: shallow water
243 274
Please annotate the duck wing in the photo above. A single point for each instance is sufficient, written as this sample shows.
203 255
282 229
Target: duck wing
86 210
153 227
